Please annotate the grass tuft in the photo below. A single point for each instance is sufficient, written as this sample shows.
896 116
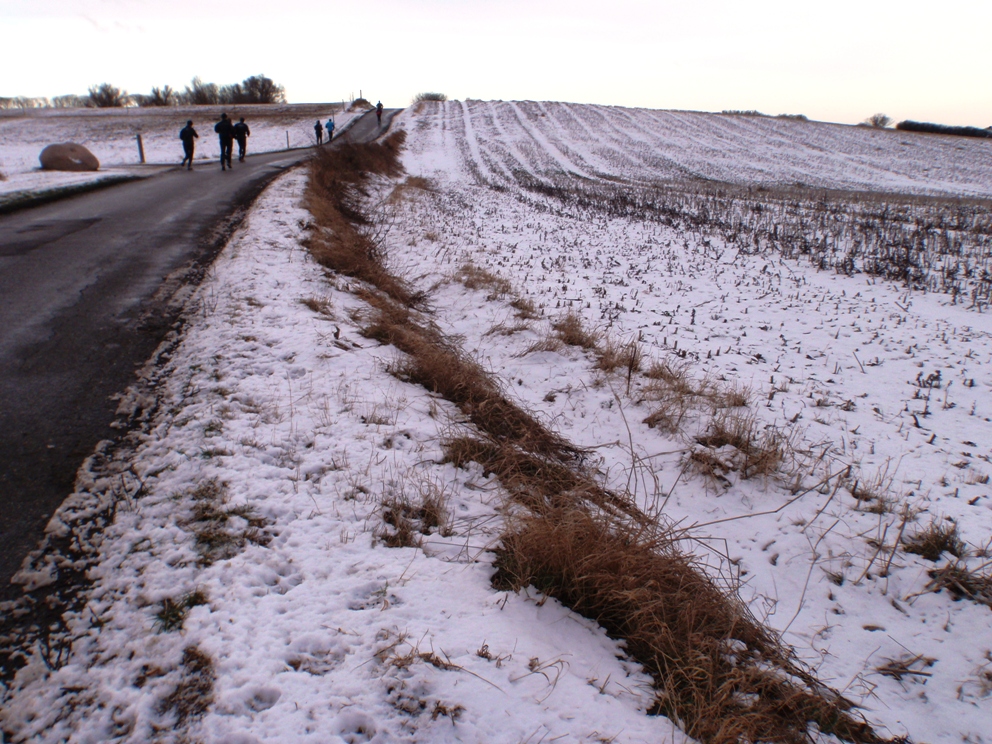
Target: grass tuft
937 538
963 583
475 277
221 532
172 613
571 331
406 519
194 694
757 451
320 305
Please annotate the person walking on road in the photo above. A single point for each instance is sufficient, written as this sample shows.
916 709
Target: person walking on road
330 130
241 134
225 131
318 130
378 112
187 134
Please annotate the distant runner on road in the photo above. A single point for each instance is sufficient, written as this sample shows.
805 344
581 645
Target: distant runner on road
378 112
241 134
225 130
187 134
318 130
330 129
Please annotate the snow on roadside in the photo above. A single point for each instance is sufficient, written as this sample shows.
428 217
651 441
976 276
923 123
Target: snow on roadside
279 434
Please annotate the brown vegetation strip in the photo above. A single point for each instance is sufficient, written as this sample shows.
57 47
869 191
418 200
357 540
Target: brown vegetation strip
719 674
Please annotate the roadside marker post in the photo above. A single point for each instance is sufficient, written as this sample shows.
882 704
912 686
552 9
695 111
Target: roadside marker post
141 150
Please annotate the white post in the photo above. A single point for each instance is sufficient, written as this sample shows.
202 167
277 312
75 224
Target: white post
141 150
287 139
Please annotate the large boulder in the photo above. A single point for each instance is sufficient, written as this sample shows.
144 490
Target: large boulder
68 157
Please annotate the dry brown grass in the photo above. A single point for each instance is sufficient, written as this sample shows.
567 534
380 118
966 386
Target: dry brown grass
937 538
195 692
419 182
173 612
913 666
320 305
534 481
678 375
444 369
732 395
963 583
718 673
551 343
221 532
347 237
504 329
525 308
757 451
616 355
674 393
475 277
405 519
398 529
571 331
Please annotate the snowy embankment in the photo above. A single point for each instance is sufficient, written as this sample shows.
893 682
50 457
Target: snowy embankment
111 135
248 595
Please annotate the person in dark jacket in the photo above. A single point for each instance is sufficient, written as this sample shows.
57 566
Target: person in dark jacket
225 130
378 112
187 134
318 130
241 134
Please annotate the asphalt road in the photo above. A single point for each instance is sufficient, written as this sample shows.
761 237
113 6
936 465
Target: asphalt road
85 290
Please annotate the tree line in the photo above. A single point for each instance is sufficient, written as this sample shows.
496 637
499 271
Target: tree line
923 126
255 89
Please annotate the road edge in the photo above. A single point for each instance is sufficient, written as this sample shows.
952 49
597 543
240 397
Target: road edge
52 583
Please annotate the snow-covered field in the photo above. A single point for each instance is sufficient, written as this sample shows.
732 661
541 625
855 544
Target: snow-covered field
111 134
245 593
642 145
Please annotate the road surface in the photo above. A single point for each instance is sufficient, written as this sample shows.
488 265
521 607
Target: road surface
85 289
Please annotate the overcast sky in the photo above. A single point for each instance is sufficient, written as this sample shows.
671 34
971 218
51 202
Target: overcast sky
841 60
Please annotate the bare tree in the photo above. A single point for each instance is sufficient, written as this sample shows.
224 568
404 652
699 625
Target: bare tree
164 96
879 121
23 102
255 89
199 93
70 100
429 96
106 95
